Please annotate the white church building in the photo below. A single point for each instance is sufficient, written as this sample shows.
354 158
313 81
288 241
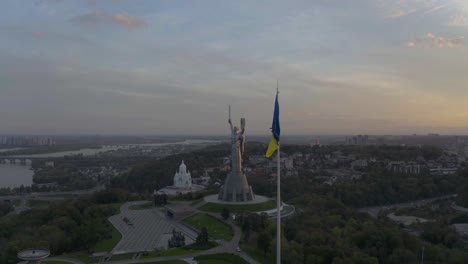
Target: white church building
182 183
182 178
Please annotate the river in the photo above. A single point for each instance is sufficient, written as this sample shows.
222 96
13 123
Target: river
89 152
13 175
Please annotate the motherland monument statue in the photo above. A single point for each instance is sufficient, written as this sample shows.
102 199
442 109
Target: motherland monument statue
236 187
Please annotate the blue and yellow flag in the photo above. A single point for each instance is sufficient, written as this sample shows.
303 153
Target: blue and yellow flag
275 131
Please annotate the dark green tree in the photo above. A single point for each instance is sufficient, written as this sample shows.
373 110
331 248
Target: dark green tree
264 242
225 213
202 238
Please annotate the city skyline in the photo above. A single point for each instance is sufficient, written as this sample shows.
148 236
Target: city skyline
116 67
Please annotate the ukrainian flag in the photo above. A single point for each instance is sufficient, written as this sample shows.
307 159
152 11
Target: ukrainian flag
275 131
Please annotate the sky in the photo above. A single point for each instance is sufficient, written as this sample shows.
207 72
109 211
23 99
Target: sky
173 67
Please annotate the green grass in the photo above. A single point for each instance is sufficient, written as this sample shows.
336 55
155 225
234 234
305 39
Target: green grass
220 259
108 244
175 261
237 208
37 203
55 262
81 256
195 202
257 254
117 207
141 206
216 228
16 202
64 195
122 256
171 252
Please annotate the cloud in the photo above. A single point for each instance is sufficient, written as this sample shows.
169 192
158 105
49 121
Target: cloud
459 20
401 8
100 17
128 21
431 41
91 19
455 12
456 42
435 9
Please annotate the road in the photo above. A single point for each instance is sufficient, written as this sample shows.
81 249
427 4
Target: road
374 211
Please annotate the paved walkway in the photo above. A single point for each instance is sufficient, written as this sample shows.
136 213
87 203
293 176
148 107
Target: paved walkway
459 208
406 219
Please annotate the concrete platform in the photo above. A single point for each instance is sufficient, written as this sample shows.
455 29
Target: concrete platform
145 230
214 199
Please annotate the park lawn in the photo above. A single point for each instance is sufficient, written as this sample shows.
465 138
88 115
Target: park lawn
81 256
108 244
142 206
195 202
171 252
238 208
122 257
175 261
64 195
214 261
223 258
257 254
116 206
37 203
216 228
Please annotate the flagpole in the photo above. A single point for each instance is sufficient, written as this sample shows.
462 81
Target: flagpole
278 199
278 209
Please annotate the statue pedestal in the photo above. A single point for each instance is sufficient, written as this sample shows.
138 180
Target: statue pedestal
236 188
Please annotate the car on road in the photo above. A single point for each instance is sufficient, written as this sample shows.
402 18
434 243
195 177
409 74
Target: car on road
238 249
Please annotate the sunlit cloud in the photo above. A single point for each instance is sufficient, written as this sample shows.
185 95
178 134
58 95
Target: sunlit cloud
401 8
100 17
459 20
455 11
128 21
431 41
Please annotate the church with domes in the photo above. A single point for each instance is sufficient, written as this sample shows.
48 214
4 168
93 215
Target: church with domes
182 183
182 178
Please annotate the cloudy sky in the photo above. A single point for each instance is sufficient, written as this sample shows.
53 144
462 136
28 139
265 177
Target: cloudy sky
159 67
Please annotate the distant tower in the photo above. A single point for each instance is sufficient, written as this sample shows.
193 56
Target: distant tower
182 178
